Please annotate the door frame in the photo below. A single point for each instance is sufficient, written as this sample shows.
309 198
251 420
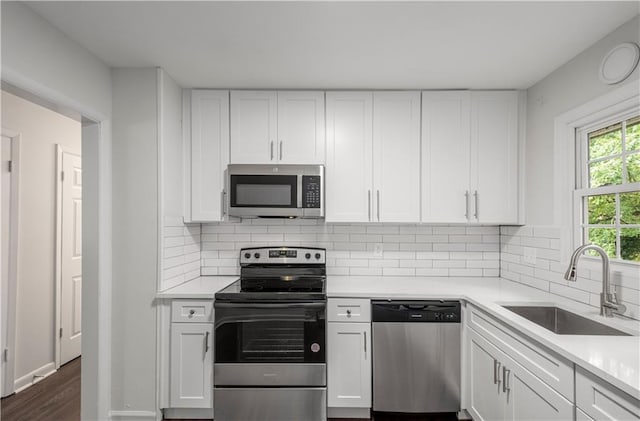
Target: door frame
60 151
12 286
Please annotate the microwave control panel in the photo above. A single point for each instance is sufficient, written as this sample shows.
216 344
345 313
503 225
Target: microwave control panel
311 191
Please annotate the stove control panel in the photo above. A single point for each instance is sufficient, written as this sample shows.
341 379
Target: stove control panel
282 255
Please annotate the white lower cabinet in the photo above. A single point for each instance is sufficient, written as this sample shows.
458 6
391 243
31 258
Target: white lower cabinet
348 358
598 400
501 389
191 356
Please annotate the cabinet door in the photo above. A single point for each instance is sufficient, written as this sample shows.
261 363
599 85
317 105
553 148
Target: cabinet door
349 365
601 401
485 399
209 153
446 147
349 156
191 384
396 156
529 398
254 125
301 127
494 156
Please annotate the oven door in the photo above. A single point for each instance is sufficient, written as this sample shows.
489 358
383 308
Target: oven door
267 333
264 195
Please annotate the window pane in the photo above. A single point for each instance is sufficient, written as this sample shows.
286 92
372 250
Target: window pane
605 173
630 208
605 142
602 209
630 244
632 135
605 238
633 168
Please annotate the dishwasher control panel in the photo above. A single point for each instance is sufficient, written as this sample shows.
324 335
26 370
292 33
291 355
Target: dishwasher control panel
408 311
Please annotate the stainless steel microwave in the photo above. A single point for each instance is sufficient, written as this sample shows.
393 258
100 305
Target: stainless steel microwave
275 191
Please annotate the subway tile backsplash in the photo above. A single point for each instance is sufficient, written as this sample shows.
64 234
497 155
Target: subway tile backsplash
360 249
546 273
394 250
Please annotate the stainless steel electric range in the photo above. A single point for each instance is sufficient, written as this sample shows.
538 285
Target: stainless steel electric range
270 336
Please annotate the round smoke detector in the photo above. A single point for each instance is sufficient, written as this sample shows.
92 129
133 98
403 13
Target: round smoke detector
618 64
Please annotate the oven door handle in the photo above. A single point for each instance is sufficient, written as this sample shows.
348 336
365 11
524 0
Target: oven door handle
322 305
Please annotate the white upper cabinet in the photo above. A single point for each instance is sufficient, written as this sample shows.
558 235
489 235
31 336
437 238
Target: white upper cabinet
494 152
209 154
396 156
373 157
284 127
470 152
254 127
446 148
349 173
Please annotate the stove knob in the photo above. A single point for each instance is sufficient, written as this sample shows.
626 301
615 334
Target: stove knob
256 255
247 255
307 256
317 255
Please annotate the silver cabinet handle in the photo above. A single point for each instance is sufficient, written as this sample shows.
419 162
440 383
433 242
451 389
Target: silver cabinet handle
206 342
466 204
365 344
281 150
506 373
348 313
475 197
378 203
369 203
271 150
496 371
191 313
224 203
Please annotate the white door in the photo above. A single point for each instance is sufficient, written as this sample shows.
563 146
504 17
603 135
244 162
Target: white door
301 127
5 189
71 259
494 156
254 127
191 382
396 156
446 147
529 398
209 153
485 400
349 365
349 156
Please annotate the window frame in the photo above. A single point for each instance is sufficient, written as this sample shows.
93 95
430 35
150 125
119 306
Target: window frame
581 182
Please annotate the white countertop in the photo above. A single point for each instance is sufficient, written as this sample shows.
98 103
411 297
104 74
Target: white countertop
616 359
201 287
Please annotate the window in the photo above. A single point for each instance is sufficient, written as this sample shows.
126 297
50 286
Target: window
607 194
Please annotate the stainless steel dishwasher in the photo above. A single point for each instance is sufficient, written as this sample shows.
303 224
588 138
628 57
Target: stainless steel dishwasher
416 356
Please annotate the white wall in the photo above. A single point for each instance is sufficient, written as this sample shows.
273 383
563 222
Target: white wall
40 59
135 241
568 87
41 129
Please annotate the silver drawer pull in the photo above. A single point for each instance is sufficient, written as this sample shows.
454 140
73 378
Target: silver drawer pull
348 313
496 370
191 313
506 373
206 342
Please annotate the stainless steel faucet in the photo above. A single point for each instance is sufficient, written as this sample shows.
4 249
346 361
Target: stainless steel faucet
608 300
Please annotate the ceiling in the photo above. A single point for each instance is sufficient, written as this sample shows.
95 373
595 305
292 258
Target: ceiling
338 44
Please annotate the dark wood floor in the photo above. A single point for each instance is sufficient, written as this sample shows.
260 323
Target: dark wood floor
55 398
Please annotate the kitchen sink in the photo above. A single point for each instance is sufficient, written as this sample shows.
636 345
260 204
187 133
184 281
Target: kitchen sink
563 322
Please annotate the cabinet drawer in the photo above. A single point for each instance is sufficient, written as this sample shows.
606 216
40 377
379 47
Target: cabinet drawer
192 311
349 310
602 401
551 368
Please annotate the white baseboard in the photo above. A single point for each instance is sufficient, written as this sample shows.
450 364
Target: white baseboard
188 413
364 413
132 415
34 377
